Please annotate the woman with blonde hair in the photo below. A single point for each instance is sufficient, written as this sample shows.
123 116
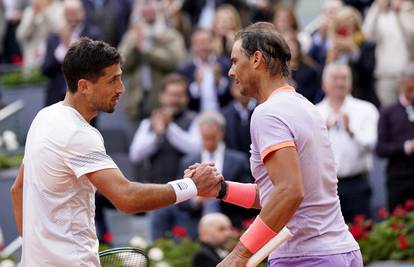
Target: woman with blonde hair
348 45
225 25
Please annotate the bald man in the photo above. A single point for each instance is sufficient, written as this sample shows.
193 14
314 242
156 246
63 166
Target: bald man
214 232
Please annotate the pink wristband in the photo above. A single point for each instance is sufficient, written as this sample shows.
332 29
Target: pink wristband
257 235
240 194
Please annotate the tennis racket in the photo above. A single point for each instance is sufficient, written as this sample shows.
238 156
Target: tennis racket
123 257
270 246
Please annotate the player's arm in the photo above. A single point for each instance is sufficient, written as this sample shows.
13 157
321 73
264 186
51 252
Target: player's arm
17 199
283 167
132 197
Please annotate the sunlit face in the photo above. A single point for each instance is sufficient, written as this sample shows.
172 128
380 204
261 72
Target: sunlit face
105 93
241 71
338 82
174 97
408 89
211 135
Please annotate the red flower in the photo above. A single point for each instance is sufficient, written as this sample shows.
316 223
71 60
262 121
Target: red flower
399 211
383 213
358 219
402 242
358 232
107 237
409 204
179 231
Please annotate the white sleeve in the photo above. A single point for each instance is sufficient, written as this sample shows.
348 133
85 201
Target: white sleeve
145 142
366 132
187 142
85 153
370 26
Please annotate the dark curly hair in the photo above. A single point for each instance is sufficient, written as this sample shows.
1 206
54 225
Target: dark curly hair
86 59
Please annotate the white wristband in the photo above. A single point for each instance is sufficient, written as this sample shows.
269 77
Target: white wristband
185 189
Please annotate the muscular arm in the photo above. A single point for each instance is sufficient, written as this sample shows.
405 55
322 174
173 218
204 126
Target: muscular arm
131 197
283 167
17 199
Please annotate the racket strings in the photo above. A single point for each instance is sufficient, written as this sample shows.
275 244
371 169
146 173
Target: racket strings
124 259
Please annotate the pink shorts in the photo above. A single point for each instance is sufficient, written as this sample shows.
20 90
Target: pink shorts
350 259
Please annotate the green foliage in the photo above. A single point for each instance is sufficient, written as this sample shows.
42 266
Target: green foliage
177 253
18 78
10 161
390 239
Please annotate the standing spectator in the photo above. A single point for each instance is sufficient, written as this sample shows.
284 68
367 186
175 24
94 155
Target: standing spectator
58 43
231 163
389 25
237 115
396 142
352 128
319 46
39 19
348 45
151 50
226 24
162 140
305 72
207 74
13 15
214 232
111 17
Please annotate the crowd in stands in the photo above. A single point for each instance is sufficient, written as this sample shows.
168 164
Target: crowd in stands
354 66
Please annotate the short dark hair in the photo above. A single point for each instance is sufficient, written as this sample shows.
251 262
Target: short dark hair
86 59
173 78
263 37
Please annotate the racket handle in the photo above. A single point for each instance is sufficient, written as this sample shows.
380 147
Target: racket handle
270 246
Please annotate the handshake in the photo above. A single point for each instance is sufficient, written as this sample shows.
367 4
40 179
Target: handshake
206 179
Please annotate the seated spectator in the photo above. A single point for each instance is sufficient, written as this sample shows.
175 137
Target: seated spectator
389 25
348 45
111 17
214 232
162 140
231 163
151 50
396 142
74 26
39 19
206 74
352 129
305 73
237 115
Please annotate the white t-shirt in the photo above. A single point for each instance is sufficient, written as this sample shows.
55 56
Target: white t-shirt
58 199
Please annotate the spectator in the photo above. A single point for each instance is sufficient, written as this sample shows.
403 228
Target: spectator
207 74
231 163
226 24
237 115
2 25
389 25
352 128
177 19
396 142
320 44
12 14
214 231
305 72
111 17
39 19
58 43
162 140
348 45
201 12
151 50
